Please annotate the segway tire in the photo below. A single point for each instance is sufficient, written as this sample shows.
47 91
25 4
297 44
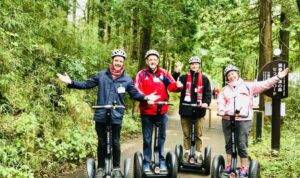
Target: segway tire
172 165
254 169
127 167
207 160
218 166
138 165
179 154
91 168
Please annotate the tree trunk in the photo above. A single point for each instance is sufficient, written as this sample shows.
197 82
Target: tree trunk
298 4
134 52
284 37
265 38
90 11
74 3
101 22
145 44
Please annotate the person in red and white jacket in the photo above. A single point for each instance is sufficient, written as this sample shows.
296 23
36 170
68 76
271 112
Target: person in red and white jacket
158 81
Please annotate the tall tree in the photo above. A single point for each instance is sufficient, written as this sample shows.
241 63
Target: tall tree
284 36
265 38
146 30
101 22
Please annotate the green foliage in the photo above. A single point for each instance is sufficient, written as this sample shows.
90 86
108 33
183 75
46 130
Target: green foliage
131 124
286 162
46 128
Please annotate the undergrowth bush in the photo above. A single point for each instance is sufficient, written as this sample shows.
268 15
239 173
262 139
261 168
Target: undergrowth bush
286 161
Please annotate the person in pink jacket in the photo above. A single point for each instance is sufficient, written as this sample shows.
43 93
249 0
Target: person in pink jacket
238 94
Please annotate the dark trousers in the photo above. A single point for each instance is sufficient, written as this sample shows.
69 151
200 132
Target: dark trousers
116 148
147 128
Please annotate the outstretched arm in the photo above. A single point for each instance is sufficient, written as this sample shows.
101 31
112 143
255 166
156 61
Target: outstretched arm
261 86
90 83
65 78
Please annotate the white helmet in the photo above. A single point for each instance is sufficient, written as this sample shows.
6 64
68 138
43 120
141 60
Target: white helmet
151 52
230 68
194 59
118 52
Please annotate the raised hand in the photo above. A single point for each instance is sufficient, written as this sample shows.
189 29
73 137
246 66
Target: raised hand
178 67
178 83
65 78
283 73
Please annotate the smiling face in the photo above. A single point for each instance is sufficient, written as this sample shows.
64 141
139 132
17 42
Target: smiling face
152 61
118 62
232 76
195 66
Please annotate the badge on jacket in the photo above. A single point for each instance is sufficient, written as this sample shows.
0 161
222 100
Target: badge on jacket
155 79
121 89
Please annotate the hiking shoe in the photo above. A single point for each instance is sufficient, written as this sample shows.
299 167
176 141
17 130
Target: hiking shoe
227 170
117 173
243 172
146 167
162 165
100 173
186 155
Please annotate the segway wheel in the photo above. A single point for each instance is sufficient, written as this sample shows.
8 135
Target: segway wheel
254 169
91 168
172 165
218 166
179 154
138 165
207 160
107 166
127 167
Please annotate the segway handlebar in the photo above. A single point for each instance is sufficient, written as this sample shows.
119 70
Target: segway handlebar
162 103
194 105
233 115
108 106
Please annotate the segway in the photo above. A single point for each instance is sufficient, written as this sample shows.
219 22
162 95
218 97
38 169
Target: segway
218 164
91 166
171 160
193 165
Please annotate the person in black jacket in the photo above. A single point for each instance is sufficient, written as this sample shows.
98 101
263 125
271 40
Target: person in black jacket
112 85
196 90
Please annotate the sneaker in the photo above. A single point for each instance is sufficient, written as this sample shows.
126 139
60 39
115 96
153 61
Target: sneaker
117 173
162 165
186 155
146 167
100 173
227 170
243 172
198 157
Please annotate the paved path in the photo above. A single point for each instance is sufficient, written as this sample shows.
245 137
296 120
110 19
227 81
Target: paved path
212 137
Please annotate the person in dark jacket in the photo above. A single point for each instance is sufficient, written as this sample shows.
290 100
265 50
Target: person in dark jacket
112 85
196 90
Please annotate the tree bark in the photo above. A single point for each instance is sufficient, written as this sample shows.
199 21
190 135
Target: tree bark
145 41
265 38
134 52
145 44
284 37
101 22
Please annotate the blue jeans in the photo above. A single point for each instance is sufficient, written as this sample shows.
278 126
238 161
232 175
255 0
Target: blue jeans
147 128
